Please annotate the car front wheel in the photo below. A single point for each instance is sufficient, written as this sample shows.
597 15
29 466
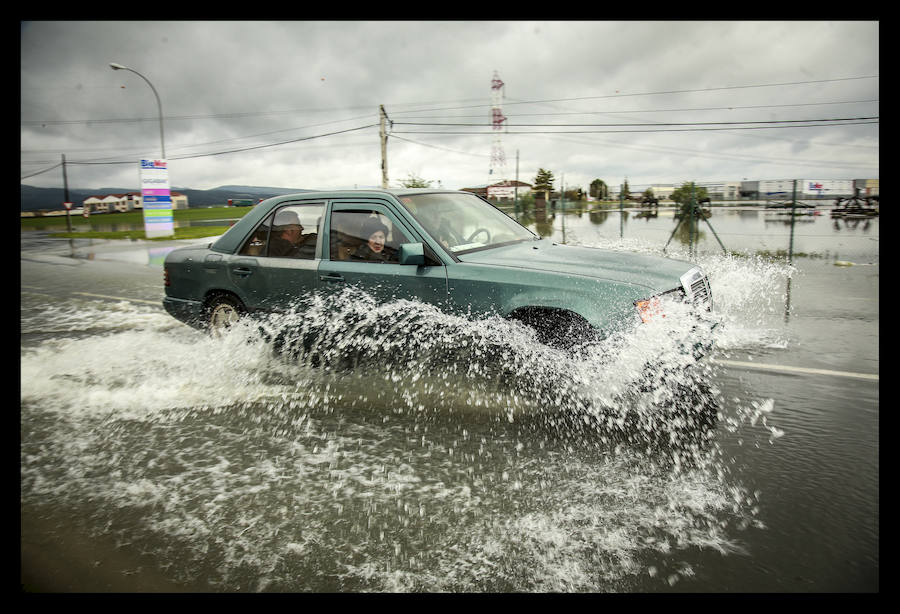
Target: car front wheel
557 328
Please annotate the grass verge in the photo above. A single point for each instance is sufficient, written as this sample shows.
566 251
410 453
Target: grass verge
195 232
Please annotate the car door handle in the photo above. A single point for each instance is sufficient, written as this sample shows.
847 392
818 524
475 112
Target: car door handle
331 277
242 271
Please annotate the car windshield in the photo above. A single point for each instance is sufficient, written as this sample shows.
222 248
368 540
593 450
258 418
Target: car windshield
464 222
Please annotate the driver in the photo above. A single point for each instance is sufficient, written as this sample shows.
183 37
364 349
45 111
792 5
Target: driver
445 235
439 227
288 240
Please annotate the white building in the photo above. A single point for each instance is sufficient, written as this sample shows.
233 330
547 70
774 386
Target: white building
806 188
866 187
663 191
109 203
502 190
725 190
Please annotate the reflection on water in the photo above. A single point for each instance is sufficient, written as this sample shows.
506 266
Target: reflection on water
736 229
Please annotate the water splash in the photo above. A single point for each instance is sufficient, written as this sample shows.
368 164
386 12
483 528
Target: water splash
360 446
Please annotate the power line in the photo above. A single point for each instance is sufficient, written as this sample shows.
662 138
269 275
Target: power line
46 170
240 115
216 153
235 115
644 127
219 153
629 111
647 124
729 108
849 123
658 150
705 89
619 95
466 153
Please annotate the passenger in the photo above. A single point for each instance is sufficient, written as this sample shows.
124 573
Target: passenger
375 234
288 240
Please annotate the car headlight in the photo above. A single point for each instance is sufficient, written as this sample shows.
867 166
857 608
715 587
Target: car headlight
695 290
649 309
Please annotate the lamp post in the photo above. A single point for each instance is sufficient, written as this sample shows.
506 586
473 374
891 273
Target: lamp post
162 141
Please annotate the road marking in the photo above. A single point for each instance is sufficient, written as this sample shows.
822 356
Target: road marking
119 298
787 369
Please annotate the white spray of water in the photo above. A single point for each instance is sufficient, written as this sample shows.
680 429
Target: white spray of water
391 447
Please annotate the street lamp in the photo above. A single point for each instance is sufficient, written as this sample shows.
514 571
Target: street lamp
162 141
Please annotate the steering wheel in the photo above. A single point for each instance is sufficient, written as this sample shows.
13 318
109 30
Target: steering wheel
478 232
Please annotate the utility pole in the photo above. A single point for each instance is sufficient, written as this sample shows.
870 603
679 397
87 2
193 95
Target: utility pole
787 303
383 134
793 217
691 248
622 209
516 189
562 203
66 202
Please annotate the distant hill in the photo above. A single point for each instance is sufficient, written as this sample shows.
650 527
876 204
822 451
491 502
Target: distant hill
33 199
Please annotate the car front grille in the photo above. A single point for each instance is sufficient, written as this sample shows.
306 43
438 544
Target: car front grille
696 287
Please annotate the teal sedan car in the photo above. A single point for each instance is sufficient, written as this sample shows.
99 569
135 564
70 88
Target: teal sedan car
451 249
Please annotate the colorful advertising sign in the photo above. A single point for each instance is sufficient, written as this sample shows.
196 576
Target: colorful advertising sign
503 192
826 187
156 198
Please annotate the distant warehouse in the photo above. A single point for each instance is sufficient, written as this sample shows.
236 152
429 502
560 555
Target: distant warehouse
808 188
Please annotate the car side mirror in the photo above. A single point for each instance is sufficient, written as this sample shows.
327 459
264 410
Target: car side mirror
412 253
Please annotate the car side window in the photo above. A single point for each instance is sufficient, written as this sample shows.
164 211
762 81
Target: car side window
364 235
289 232
258 241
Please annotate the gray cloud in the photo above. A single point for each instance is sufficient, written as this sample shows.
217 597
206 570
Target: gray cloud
229 85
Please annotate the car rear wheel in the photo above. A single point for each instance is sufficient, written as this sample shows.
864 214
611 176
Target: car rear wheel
222 312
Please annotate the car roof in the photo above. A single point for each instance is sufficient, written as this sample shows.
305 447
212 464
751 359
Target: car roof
370 191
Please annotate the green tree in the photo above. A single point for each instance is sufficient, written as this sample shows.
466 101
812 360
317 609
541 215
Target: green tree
543 180
599 189
682 195
626 193
412 181
575 194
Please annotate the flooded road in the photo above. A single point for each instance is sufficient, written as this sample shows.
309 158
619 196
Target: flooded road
445 454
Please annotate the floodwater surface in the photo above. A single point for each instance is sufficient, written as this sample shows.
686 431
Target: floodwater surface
413 451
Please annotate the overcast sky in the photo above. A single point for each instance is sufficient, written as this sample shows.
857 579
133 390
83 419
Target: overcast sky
653 102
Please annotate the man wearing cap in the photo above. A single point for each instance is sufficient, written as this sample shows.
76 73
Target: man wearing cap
288 240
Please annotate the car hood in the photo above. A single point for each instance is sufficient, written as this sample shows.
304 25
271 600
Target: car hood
654 272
